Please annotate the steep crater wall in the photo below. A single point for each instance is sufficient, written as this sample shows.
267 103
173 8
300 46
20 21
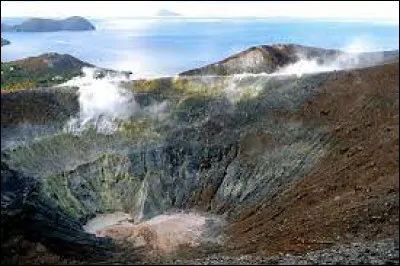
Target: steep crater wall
215 151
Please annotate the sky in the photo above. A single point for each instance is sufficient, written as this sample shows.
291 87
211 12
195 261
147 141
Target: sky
373 11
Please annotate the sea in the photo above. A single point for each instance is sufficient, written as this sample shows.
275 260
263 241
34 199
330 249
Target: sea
154 47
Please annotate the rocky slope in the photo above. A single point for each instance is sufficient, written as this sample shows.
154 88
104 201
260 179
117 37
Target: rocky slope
352 193
290 164
270 58
50 25
384 252
25 211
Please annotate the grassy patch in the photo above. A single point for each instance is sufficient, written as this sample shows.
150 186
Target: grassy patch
17 76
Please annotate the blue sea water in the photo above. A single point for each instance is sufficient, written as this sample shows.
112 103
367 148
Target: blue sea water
163 47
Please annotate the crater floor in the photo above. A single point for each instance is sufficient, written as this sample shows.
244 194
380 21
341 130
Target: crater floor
161 235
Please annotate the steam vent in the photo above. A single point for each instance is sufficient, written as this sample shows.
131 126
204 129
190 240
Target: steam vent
280 154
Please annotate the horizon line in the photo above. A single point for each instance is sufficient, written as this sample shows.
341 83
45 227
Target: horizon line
177 17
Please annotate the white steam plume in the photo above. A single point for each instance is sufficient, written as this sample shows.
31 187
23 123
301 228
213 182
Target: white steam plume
355 54
102 102
349 59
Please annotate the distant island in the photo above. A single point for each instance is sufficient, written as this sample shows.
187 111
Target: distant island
4 42
167 13
50 25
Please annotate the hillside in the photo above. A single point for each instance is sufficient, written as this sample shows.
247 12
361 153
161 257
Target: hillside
270 58
43 71
40 71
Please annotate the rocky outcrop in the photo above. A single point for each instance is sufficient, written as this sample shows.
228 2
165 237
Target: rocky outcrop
28 214
4 42
270 58
263 59
49 25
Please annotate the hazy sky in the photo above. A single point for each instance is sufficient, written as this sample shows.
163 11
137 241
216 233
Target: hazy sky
378 11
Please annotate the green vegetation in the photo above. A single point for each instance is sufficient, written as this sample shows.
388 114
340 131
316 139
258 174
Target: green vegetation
16 76
41 71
